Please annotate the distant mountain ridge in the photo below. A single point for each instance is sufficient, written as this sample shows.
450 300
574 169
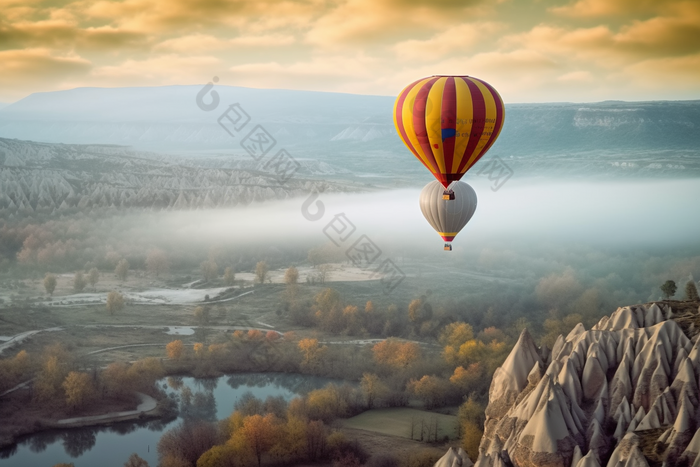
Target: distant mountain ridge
356 132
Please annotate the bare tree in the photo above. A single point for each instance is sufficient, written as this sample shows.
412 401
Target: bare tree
50 283
122 269
261 271
157 261
115 302
93 277
79 282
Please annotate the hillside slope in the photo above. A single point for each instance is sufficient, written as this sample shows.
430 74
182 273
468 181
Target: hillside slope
356 132
47 178
624 393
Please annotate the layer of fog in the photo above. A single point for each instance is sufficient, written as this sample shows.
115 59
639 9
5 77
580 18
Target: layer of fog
660 213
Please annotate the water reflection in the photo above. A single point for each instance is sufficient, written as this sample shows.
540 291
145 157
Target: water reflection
76 442
190 398
40 441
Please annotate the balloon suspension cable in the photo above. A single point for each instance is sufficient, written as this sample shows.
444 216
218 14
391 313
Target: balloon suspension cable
449 193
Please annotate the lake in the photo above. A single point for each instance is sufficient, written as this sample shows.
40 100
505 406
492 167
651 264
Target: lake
111 446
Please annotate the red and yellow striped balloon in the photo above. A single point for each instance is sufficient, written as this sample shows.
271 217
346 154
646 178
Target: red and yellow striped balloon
449 122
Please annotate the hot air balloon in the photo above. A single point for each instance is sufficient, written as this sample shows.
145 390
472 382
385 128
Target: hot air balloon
447 217
448 123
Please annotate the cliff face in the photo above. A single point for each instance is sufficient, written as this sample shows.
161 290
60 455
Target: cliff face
624 393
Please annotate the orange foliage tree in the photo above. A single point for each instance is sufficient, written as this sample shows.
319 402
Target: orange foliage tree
396 354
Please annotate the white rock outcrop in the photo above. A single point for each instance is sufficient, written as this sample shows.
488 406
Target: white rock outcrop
602 394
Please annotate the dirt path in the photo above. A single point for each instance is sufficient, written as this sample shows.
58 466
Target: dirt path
147 404
18 338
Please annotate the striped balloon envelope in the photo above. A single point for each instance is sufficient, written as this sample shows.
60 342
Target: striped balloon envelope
449 122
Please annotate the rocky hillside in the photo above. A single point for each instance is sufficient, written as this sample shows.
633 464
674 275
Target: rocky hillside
57 178
624 393
356 132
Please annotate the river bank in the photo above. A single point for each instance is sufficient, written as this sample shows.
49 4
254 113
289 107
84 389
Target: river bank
37 420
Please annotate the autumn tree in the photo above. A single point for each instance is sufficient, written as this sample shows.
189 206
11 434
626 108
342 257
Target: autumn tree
93 277
471 420
135 461
175 349
78 388
199 350
210 270
464 379
261 271
157 262
185 443
395 353
221 455
260 433
291 276
47 386
691 291
373 388
49 283
117 380
419 310
115 302
471 438
432 390
79 282
122 269
229 276
669 289
312 353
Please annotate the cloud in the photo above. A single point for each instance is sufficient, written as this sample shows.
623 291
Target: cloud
321 73
66 35
462 38
158 70
602 8
376 21
198 43
37 69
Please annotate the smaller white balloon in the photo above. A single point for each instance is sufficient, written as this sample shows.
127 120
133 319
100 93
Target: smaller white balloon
447 217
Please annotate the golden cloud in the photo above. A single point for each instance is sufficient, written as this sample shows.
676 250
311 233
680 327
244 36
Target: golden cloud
36 69
601 8
198 43
461 38
158 70
373 21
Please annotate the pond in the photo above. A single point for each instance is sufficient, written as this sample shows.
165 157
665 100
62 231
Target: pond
213 398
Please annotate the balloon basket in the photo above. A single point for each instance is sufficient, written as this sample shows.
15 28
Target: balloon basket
448 247
448 195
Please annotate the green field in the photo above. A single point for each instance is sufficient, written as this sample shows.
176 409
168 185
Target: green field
398 422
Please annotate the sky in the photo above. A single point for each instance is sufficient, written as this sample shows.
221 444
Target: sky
530 50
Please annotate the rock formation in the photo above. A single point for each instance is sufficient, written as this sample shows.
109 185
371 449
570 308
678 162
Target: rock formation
41 178
624 393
